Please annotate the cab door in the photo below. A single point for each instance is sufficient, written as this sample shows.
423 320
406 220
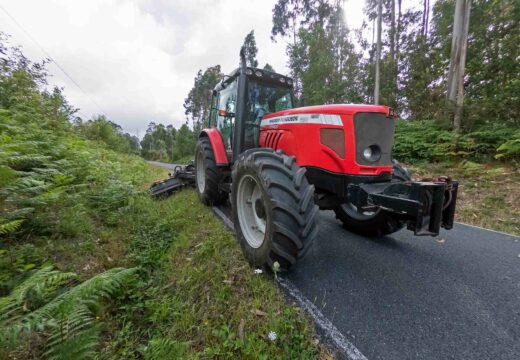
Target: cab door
225 114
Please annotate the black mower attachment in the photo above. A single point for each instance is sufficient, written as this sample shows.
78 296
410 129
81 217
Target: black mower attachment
182 176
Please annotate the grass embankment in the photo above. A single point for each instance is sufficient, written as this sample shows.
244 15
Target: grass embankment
488 194
199 297
194 296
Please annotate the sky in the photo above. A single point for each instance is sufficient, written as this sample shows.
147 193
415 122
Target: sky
135 60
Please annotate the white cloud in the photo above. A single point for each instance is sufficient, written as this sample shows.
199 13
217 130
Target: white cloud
137 59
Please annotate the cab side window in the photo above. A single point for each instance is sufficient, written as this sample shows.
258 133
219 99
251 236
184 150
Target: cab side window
227 103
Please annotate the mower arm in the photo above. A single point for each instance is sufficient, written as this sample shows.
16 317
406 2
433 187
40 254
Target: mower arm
182 176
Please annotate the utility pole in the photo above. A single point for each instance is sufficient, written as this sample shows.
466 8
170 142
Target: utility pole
459 46
378 50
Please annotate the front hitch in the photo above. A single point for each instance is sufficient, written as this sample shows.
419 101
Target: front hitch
425 205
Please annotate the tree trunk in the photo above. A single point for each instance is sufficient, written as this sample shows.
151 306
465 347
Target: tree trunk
378 51
423 17
457 119
427 21
454 52
459 45
392 30
393 73
397 52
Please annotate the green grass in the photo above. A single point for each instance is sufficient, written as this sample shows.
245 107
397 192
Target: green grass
199 295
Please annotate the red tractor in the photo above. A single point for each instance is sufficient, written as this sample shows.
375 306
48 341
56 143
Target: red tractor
282 164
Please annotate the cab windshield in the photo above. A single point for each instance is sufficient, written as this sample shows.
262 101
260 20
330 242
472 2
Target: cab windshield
267 98
262 99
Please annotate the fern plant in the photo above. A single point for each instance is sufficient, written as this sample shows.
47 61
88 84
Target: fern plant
511 148
162 348
9 226
48 306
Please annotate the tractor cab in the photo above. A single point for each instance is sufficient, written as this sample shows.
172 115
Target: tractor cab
260 93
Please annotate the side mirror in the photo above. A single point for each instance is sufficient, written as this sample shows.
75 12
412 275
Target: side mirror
392 113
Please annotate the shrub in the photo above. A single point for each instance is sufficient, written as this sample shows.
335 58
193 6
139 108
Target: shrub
427 140
511 148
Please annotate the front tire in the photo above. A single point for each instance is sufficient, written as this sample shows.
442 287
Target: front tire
373 223
207 174
273 208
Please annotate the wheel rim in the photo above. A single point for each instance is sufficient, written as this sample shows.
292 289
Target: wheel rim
353 212
251 211
201 176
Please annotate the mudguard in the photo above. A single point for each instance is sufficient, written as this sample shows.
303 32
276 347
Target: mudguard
219 150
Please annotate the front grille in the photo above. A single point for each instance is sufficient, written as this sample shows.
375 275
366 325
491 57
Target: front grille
272 139
374 129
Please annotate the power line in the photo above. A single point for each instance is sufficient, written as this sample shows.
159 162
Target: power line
51 58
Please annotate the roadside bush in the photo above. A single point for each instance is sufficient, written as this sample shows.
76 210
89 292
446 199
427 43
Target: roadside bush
53 182
47 176
103 130
427 140
510 149
57 184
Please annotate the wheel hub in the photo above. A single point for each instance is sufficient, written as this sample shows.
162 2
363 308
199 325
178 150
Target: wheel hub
260 209
251 211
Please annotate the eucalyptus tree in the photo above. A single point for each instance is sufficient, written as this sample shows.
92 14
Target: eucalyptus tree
250 49
323 60
198 102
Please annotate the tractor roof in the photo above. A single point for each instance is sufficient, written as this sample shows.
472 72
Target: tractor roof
258 74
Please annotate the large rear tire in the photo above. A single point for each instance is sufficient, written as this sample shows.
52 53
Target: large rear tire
373 223
207 174
273 208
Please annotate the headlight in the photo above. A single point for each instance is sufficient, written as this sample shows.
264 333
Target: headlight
367 153
372 153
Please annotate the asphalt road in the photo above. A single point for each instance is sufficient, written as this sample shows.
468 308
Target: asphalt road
456 296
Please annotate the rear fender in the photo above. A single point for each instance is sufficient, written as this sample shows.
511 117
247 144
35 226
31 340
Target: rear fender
219 150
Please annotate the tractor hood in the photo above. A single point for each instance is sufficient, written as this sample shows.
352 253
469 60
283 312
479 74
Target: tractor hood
334 137
336 109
